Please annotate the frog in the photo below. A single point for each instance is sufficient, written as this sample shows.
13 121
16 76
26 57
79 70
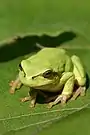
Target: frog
51 70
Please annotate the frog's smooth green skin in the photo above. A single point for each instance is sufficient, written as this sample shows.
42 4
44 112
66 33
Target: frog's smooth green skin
53 70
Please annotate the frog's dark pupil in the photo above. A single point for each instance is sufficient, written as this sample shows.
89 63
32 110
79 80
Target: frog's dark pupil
47 74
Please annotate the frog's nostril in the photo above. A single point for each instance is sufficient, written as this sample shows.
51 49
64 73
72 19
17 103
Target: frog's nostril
33 77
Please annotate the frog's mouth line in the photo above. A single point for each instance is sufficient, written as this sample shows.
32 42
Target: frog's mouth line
32 83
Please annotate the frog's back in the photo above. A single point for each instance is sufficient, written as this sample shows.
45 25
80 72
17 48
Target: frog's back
48 54
51 52
46 58
57 58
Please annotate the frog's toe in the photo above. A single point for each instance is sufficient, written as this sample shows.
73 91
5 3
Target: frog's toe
11 91
61 98
64 99
50 105
32 105
11 83
83 91
24 99
80 91
19 85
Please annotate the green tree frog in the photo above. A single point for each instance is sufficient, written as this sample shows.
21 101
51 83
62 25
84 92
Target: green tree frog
51 70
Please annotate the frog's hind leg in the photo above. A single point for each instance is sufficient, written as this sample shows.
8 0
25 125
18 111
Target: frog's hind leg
67 80
80 77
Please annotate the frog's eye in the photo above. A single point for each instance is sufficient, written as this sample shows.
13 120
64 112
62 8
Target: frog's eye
20 67
47 74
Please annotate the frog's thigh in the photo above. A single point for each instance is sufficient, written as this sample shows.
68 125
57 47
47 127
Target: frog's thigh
68 81
79 72
80 77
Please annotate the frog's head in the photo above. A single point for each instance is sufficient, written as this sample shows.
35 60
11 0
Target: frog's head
35 74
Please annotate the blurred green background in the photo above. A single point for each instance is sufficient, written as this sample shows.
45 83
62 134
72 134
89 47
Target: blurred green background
52 23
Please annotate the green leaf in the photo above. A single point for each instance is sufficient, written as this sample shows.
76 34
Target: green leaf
50 17
51 23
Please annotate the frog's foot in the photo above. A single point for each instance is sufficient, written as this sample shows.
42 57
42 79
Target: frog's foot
80 91
32 101
11 84
14 85
24 99
11 89
63 98
32 95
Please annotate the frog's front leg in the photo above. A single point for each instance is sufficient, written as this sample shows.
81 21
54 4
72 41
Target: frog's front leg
32 95
67 80
80 77
15 85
